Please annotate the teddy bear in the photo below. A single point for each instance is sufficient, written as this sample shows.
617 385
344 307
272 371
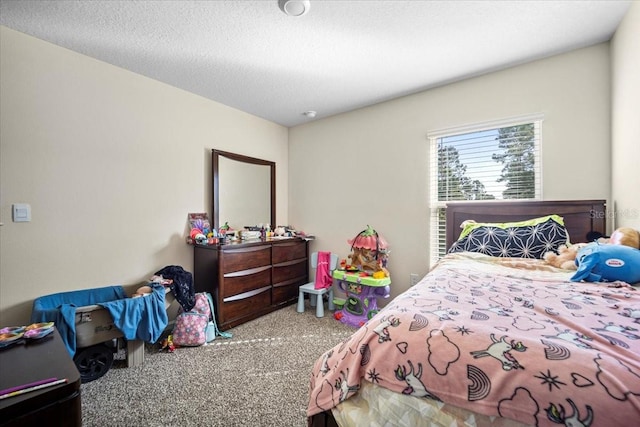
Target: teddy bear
565 258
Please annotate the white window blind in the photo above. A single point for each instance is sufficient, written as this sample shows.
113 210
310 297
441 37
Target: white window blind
490 161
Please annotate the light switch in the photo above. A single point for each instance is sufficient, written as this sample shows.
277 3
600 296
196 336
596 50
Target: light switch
21 212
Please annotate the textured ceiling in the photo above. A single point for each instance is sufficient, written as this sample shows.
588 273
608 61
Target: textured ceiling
340 56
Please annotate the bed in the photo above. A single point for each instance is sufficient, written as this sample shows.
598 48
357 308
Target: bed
492 340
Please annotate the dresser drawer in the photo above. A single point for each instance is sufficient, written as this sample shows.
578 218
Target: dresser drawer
239 282
288 251
286 292
290 270
245 305
287 278
244 258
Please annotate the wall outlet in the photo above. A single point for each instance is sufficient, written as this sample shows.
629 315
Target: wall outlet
414 278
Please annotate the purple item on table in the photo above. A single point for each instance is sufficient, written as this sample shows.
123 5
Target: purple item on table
23 386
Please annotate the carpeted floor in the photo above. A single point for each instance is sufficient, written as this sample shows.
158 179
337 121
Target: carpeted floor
259 377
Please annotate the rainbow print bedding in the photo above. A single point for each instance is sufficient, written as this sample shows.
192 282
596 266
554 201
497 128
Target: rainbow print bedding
504 338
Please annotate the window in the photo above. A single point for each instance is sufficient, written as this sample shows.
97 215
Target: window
490 161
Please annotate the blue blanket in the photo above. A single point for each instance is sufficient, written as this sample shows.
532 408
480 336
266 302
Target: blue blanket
61 309
142 318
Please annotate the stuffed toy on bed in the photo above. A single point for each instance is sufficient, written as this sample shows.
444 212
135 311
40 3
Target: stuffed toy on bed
608 263
625 236
566 256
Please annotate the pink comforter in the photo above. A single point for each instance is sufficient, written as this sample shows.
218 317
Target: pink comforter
500 337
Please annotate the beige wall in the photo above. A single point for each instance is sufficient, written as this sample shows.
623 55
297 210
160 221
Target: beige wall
625 124
370 166
111 162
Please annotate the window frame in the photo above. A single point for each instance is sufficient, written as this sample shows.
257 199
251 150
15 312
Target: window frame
437 208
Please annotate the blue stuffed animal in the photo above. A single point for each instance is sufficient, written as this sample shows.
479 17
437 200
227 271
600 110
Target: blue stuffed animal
607 263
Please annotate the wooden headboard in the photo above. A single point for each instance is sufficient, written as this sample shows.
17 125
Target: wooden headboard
580 216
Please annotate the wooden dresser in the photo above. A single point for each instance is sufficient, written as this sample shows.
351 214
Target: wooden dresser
250 279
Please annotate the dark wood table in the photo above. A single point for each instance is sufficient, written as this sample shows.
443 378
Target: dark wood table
33 361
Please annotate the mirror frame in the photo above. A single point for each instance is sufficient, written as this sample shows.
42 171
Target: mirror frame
215 157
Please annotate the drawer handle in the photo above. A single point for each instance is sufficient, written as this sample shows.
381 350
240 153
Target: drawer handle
301 280
246 295
245 250
248 272
292 262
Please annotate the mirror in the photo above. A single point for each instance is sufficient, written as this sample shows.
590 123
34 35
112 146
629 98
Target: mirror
244 190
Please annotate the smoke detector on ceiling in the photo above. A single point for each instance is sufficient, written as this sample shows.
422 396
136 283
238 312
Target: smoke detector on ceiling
294 7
